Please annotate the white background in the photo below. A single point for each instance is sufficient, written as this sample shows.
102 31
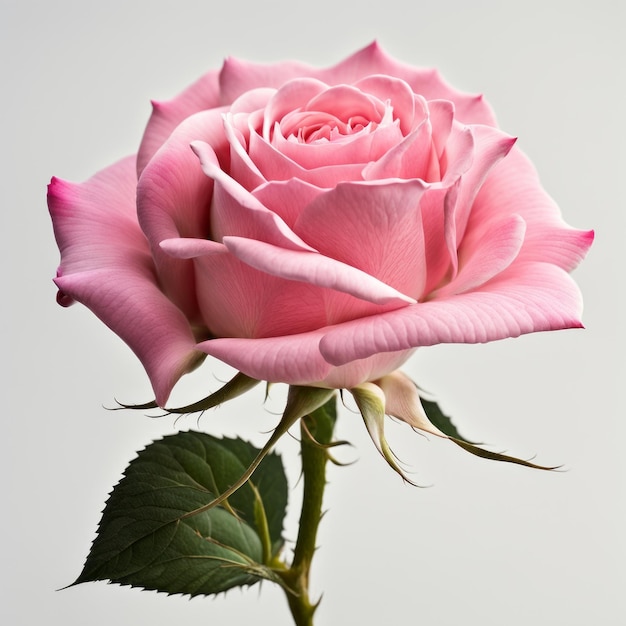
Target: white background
486 544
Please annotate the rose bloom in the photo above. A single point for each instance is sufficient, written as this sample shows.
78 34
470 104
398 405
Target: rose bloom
315 226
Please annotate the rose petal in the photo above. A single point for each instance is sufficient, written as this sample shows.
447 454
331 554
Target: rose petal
548 237
87 216
399 95
296 360
469 163
236 211
409 158
384 217
526 298
345 102
458 155
242 167
203 94
290 97
277 166
237 300
287 198
441 115
251 101
439 260
470 108
489 251
173 199
314 269
190 248
238 76
130 303
117 282
360 148
356 372
490 147
439 208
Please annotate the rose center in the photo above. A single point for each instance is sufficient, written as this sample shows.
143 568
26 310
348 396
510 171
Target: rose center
321 127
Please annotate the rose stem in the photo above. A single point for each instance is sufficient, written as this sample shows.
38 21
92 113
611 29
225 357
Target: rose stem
315 429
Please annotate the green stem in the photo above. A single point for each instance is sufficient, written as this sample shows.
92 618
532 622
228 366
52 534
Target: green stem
316 432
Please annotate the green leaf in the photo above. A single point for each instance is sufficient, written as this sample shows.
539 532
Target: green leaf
300 402
150 537
440 420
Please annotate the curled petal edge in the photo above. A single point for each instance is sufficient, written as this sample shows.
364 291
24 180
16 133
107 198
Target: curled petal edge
316 269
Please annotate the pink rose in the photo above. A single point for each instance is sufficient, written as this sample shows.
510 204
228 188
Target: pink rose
314 226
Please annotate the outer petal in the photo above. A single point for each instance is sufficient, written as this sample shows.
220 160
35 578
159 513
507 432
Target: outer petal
238 76
296 360
117 282
470 154
490 147
491 250
173 200
238 300
548 237
199 96
526 298
292 359
470 109
362 370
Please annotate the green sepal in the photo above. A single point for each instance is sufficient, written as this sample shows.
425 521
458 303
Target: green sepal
150 537
441 421
235 387
497 456
370 400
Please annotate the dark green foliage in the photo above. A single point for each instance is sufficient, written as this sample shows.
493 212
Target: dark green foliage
150 537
